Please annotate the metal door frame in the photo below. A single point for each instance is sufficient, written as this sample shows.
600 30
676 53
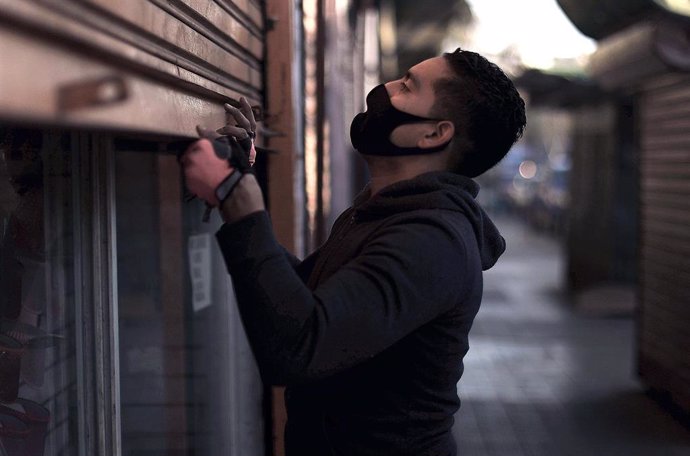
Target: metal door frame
97 338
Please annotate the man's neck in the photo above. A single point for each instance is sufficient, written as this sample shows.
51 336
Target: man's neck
385 171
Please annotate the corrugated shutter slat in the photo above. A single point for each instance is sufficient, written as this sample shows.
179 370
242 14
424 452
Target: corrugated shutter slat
665 235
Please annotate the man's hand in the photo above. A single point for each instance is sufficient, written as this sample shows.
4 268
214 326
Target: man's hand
244 130
203 169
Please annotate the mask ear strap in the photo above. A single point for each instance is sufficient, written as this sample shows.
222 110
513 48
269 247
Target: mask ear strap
411 118
424 150
437 148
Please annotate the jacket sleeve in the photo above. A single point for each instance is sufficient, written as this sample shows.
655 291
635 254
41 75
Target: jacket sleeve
291 259
407 275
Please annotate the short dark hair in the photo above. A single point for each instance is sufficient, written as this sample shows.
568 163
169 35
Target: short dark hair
485 108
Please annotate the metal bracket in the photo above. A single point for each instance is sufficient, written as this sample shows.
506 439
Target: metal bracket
88 94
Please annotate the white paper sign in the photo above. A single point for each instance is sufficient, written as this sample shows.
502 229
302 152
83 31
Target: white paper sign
199 249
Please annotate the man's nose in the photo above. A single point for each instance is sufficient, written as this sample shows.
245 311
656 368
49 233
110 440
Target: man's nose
390 87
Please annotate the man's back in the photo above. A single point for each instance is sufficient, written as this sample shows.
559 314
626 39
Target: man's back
401 400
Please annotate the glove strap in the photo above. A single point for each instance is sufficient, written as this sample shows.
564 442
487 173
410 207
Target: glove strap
223 192
225 188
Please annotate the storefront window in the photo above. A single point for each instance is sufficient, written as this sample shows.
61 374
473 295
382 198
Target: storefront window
188 383
118 326
39 405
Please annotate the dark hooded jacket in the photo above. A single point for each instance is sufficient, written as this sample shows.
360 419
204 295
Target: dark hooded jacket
368 332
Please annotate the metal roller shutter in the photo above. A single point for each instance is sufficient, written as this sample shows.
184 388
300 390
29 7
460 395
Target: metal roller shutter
155 66
664 334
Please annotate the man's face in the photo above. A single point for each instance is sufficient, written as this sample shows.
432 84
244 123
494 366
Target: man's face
414 94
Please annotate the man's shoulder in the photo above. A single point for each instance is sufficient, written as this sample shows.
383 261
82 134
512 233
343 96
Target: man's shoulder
440 217
426 229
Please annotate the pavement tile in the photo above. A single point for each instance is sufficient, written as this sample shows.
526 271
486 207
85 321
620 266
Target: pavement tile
543 380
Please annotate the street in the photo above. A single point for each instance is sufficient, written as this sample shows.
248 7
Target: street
541 379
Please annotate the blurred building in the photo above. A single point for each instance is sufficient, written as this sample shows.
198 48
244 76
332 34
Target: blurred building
644 56
599 220
410 33
119 330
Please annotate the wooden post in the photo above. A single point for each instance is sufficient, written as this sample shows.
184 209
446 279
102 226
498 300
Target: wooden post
172 291
286 168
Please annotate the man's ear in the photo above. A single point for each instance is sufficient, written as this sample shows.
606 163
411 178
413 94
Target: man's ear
440 133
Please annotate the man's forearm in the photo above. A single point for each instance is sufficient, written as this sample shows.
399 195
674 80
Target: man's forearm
246 198
298 334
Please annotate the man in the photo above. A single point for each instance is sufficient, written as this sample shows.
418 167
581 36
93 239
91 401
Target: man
368 332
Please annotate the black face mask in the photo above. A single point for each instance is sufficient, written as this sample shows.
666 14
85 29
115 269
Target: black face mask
370 130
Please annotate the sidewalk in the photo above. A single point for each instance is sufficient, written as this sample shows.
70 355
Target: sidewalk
542 380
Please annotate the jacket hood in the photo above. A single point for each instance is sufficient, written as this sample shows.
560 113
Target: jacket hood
436 190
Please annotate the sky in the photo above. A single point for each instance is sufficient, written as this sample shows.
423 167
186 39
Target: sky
537 29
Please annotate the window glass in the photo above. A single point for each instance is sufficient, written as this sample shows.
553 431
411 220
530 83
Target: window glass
39 408
188 383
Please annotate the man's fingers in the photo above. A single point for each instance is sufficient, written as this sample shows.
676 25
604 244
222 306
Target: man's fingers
246 109
239 117
208 134
237 132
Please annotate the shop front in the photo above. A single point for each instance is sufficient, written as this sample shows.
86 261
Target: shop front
119 333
